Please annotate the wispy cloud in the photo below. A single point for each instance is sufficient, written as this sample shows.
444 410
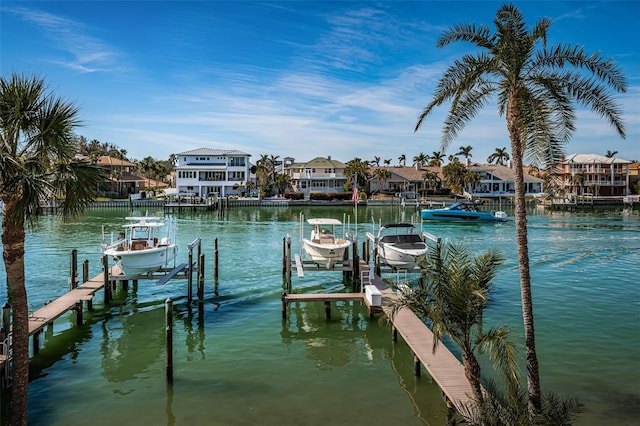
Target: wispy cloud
81 52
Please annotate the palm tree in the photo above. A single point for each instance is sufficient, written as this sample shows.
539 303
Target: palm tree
611 154
283 181
37 162
535 94
430 178
453 299
376 161
465 151
382 175
358 169
402 160
420 159
436 158
499 156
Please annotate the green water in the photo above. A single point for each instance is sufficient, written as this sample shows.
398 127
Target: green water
237 362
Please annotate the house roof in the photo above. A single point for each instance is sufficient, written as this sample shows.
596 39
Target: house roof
105 160
215 152
412 174
320 162
593 158
501 172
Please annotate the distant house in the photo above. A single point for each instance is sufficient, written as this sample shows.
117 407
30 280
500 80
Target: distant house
318 175
121 179
205 171
405 179
497 180
593 174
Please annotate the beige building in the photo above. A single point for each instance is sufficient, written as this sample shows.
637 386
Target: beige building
593 174
318 175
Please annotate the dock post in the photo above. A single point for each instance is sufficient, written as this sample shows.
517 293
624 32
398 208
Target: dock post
73 269
284 306
36 343
284 256
394 334
78 309
107 284
288 264
168 314
215 260
327 309
451 411
85 271
201 279
190 277
416 365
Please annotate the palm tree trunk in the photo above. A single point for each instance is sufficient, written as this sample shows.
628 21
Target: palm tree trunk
533 376
13 253
472 372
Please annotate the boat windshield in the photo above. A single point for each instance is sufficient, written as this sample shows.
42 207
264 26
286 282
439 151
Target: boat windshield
140 233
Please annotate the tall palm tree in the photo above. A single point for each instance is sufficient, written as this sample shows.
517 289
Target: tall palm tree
376 161
436 158
611 154
402 160
465 151
499 156
536 95
387 162
420 159
37 162
382 175
453 299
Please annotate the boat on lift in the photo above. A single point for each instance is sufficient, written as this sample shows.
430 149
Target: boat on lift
399 245
140 251
323 245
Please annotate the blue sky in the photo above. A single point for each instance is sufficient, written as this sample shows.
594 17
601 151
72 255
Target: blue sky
294 78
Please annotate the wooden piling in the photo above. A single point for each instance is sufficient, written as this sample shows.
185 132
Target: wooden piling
416 365
85 271
190 277
201 279
73 269
107 287
288 265
78 309
215 260
168 313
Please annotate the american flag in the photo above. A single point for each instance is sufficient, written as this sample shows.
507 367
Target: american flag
355 196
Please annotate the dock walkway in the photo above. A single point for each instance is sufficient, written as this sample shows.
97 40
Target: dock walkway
443 366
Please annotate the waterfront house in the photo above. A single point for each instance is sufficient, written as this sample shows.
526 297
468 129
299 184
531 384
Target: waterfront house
498 181
405 179
122 180
593 174
202 172
318 175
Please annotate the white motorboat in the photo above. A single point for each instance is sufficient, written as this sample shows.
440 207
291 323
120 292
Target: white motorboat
141 250
323 246
399 245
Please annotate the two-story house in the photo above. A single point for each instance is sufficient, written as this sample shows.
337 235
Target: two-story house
497 180
594 174
206 171
318 175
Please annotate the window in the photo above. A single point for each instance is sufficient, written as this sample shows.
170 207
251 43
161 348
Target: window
236 161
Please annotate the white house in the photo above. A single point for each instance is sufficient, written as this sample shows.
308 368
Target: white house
205 171
497 180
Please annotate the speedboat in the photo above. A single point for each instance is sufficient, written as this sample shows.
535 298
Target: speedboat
463 212
400 246
140 251
323 246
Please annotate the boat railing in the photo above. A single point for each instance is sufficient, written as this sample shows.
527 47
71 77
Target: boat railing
120 243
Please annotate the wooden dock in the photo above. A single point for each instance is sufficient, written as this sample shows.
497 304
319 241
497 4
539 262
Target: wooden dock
445 369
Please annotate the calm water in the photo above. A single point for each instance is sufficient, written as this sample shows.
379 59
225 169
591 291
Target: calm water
240 364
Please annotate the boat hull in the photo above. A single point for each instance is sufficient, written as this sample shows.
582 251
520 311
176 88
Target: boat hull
327 254
399 258
141 262
460 216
